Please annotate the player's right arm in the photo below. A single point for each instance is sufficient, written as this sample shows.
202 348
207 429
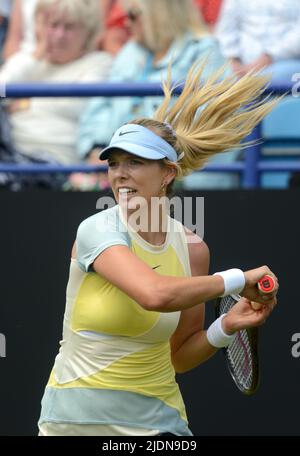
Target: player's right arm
155 292
105 248
151 290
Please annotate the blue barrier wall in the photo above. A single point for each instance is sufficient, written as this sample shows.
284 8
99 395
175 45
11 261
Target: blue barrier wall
250 168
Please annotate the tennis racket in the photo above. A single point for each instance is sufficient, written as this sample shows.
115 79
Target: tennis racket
242 355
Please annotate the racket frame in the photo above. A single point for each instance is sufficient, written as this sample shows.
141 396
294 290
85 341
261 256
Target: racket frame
253 336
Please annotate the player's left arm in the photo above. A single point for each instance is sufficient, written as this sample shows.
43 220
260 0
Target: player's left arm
189 345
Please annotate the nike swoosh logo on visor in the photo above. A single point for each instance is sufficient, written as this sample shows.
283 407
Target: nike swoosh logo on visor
127 132
155 267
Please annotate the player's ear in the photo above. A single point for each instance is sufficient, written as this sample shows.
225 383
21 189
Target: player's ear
171 173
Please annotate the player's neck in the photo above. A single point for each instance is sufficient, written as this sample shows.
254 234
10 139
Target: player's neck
153 238
151 224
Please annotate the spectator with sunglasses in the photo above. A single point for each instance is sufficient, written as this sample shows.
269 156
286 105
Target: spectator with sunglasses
115 33
154 45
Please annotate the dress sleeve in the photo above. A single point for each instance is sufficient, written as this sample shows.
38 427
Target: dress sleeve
96 234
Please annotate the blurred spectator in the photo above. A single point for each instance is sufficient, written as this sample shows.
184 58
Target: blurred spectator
66 31
210 10
21 35
106 6
116 32
146 58
5 8
261 34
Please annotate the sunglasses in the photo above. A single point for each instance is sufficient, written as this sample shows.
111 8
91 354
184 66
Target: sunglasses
133 14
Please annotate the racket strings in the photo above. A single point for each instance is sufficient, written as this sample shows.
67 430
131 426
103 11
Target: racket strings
239 352
240 357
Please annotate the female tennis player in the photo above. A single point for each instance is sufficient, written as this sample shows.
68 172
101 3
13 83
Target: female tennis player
134 310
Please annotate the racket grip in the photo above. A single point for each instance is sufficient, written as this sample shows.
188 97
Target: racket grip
266 284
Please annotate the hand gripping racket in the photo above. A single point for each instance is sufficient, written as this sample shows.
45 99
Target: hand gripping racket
242 354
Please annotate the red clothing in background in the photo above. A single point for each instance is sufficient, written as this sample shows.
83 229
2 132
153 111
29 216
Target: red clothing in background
210 10
115 33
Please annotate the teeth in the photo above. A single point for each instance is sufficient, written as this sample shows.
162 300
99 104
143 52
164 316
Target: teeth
126 190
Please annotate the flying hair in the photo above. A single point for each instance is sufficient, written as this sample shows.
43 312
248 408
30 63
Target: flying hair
211 116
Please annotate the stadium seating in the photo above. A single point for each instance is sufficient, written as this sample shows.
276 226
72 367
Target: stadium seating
281 133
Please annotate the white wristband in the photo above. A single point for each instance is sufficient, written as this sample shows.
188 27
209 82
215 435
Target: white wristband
234 281
216 336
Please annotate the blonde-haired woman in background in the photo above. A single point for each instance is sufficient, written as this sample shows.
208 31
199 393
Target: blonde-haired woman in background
134 315
21 34
66 32
163 32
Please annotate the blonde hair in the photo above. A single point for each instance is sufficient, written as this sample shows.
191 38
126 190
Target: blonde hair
230 109
85 12
166 20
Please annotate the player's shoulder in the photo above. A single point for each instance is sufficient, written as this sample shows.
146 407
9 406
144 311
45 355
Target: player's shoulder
193 237
104 217
106 221
198 252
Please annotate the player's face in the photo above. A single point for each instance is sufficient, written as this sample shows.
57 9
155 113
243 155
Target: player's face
131 176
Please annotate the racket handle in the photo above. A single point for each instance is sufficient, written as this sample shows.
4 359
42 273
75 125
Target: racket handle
266 285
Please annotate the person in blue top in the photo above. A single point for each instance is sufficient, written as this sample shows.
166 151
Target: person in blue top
138 278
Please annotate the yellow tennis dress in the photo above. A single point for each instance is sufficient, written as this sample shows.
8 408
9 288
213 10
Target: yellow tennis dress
113 374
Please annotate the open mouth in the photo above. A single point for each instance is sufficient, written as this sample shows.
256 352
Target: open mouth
126 191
